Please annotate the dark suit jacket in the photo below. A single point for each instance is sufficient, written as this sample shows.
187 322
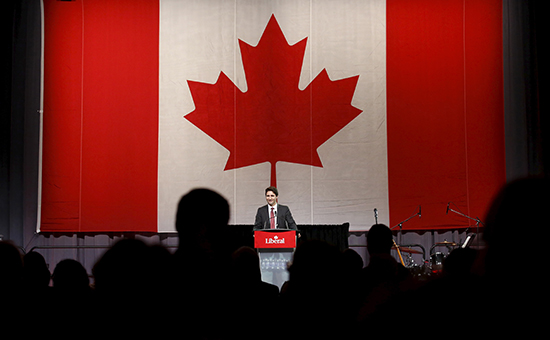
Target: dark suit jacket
284 218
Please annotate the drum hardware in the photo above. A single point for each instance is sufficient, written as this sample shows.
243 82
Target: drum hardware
406 250
418 270
437 258
437 262
411 264
398 252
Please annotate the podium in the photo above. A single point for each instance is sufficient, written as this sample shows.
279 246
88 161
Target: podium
275 248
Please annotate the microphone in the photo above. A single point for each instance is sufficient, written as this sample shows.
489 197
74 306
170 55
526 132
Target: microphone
419 211
269 220
447 208
376 215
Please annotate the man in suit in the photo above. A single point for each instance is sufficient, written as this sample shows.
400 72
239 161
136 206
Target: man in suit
273 215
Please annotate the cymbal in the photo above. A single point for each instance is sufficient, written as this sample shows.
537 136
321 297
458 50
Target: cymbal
407 250
446 243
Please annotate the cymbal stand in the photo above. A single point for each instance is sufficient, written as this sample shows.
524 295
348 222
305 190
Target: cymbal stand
398 252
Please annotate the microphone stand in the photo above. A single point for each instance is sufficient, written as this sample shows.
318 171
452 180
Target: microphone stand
400 225
478 221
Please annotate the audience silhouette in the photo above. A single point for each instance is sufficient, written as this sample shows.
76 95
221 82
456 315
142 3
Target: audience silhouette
202 264
36 275
383 280
207 290
249 295
70 301
11 267
11 279
246 280
70 278
313 296
36 291
132 288
498 290
514 287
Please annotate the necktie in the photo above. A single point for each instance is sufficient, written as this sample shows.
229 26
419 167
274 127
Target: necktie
272 219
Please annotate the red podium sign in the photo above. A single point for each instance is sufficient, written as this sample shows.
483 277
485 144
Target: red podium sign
275 238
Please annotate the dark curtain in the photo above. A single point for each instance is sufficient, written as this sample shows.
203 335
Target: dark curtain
20 118
336 235
525 83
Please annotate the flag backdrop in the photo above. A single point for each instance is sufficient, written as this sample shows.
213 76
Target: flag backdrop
345 106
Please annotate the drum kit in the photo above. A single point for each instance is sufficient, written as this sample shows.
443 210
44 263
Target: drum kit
428 267
434 265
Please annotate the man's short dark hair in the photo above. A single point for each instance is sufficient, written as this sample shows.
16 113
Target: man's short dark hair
201 208
379 239
273 189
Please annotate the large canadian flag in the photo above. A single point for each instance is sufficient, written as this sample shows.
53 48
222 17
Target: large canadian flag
346 106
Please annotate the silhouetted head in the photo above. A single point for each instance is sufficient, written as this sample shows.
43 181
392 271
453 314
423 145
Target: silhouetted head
122 268
35 270
352 260
379 239
316 261
11 265
246 265
202 218
70 276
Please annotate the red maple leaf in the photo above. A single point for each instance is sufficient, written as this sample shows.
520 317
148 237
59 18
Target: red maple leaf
273 120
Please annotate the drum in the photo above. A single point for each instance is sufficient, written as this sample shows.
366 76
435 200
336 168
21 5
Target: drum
416 270
437 262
